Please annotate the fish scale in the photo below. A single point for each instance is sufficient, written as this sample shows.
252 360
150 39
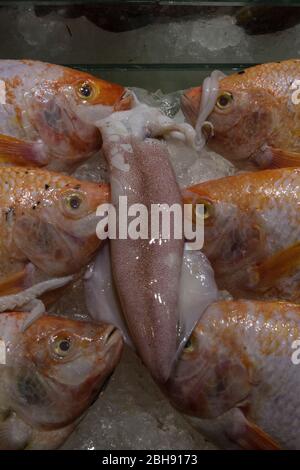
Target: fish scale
36 216
240 358
48 114
252 232
44 388
255 119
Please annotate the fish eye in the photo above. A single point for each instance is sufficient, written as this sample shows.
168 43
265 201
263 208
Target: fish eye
190 345
208 210
224 100
73 201
86 90
61 346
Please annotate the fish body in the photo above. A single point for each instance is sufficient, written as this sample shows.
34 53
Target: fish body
251 232
50 374
47 113
48 219
255 122
240 358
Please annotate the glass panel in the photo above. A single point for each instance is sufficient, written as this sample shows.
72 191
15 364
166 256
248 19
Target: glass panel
150 44
168 77
156 2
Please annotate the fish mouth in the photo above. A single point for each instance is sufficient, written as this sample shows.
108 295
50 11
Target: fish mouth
113 336
190 104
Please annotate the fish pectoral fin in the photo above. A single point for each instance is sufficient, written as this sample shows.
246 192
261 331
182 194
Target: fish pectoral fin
280 265
15 282
254 438
246 434
12 435
20 152
283 158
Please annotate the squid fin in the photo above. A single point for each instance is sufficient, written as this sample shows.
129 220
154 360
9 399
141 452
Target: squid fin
284 158
20 152
277 266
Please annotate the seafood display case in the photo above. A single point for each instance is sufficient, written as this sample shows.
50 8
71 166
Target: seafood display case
157 49
167 45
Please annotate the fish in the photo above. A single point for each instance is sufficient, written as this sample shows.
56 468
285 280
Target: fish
47 113
140 169
251 232
50 375
242 358
254 118
48 220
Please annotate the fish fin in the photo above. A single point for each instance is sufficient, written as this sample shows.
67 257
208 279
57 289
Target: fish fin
247 435
8 436
283 158
20 152
280 265
15 282
49 439
254 438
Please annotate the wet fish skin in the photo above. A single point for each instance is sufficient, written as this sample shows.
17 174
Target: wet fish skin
51 109
252 232
259 128
239 358
49 219
53 371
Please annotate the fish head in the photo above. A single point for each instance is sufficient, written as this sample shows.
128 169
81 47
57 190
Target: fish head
242 120
93 97
231 236
65 111
59 235
209 377
59 367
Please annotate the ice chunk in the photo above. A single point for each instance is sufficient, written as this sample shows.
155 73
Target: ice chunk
95 169
191 167
132 413
168 104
